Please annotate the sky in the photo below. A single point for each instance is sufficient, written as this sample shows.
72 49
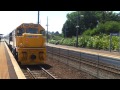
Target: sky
9 20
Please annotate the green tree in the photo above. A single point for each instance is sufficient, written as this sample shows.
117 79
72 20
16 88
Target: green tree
90 21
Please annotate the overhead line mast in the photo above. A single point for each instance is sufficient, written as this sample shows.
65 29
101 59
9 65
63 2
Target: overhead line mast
38 17
47 29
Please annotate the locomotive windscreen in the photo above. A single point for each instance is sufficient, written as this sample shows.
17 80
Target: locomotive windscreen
20 31
32 30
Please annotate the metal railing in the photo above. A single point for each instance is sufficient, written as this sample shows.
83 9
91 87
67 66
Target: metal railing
96 65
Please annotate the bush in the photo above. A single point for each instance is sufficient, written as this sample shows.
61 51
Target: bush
97 42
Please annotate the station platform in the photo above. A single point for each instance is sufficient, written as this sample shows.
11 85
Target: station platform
9 68
114 55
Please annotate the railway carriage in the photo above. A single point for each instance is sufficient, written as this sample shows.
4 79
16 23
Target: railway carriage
27 43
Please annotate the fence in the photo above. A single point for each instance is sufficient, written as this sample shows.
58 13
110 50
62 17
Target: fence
96 65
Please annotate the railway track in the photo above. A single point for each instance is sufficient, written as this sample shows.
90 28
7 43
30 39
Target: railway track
38 72
92 64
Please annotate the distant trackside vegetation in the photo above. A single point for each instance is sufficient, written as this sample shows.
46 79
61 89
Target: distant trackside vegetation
94 30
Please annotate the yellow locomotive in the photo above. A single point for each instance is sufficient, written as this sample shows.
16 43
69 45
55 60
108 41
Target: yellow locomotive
28 44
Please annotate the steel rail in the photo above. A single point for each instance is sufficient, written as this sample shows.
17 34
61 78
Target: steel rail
48 73
30 73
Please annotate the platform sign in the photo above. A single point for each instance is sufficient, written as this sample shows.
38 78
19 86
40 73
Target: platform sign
114 34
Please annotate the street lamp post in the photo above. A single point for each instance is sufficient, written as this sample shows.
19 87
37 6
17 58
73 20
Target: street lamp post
77 36
77 28
66 31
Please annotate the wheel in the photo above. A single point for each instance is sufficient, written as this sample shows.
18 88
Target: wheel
15 54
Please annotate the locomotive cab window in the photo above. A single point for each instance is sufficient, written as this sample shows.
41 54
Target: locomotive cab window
32 30
20 32
42 32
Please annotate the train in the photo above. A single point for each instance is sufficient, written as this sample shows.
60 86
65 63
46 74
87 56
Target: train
27 44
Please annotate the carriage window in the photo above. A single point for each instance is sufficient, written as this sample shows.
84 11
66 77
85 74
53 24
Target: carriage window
20 31
32 30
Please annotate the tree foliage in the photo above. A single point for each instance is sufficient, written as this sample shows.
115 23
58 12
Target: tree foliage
89 22
107 28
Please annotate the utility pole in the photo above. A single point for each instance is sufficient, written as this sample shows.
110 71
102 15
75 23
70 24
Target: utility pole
38 17
47 29
66 30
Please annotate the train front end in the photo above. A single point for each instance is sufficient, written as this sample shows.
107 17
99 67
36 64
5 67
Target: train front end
31 48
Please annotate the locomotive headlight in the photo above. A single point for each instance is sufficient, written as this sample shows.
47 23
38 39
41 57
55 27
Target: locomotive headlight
33 57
